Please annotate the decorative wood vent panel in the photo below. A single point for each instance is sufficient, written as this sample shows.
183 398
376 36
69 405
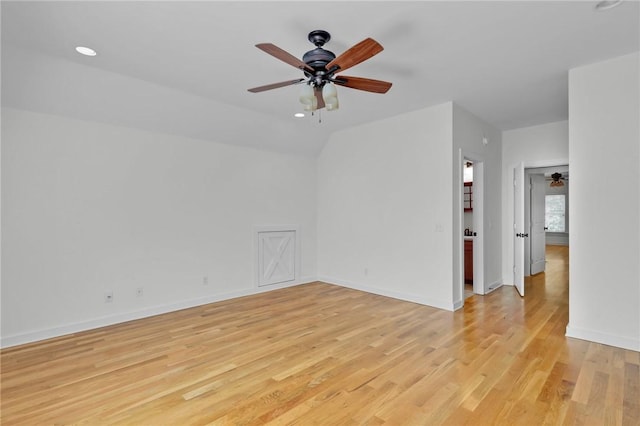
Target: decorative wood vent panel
276 255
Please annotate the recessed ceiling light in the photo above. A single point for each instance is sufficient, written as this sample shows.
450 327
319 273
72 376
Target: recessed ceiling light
87 51
608 4
298 115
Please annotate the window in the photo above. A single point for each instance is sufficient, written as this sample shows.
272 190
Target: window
554 213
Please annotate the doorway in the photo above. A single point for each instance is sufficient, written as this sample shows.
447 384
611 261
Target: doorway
537 222
471 226
534 222
546 217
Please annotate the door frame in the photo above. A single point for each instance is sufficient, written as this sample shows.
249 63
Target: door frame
478 224
509 255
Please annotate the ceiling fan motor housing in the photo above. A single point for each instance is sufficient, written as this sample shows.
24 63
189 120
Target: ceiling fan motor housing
318 58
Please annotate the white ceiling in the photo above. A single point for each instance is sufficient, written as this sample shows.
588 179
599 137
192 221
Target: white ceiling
184 67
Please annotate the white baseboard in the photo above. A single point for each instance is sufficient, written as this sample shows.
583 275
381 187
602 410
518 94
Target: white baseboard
48 333
457 305
604 338
493 287
408 297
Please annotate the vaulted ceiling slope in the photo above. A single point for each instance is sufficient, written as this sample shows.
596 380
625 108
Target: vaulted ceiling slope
184 67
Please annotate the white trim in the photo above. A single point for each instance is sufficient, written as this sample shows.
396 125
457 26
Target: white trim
493 287
508 244
48 333
546 163
407 297
459 184
478 227
604 338
458 304
557 238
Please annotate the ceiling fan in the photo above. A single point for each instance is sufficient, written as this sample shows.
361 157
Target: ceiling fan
320 67
557 179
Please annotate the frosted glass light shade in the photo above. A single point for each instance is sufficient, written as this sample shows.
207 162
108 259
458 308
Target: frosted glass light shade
329 91
311 104
306 95
331 103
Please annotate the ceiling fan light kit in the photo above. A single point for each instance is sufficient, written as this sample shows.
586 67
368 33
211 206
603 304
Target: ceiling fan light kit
320 67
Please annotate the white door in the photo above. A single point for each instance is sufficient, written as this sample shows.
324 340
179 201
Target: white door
537 232
518 228
478 227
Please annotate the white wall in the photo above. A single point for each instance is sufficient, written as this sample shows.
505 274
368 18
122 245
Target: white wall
90 207
385 207
536 146
468 134
604 140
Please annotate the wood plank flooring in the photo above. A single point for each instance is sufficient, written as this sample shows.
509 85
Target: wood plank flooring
321 354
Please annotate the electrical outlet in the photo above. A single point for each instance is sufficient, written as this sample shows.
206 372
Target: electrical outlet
139 292
108 296
205 280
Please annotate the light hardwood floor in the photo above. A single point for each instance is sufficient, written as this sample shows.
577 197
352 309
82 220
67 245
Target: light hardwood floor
321 354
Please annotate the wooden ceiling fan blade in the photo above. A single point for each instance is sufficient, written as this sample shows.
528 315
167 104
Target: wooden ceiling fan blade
283 55
275 85
366 84
356 54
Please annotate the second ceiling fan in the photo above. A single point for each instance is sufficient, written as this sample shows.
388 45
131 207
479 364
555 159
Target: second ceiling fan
320 67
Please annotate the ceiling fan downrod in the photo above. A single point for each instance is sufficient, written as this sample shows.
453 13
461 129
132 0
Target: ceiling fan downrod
318 58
